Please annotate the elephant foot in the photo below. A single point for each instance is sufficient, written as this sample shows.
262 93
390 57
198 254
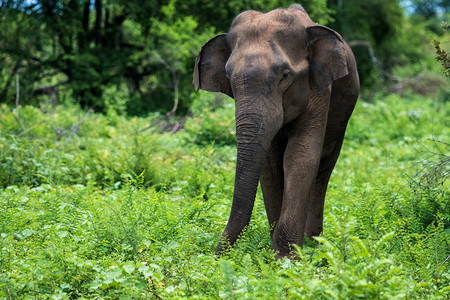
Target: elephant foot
291 256
286 250
312 233
314 227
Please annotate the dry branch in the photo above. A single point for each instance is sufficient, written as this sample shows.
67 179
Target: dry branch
375 60
76 127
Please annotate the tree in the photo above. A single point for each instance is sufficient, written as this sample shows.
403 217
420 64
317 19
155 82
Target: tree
379 24
84 48
137 56
19 38
431 8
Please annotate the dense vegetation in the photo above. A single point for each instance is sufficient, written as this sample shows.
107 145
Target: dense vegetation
106 195
112 211
136 57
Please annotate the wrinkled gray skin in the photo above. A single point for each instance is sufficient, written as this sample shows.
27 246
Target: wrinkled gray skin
295 85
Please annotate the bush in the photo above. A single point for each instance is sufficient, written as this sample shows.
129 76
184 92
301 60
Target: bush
211 124
114 211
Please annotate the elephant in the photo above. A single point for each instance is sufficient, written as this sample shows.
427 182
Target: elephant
295 85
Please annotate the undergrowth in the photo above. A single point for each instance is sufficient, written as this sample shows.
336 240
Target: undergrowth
115 210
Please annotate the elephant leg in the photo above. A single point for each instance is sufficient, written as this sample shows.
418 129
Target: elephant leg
272 180
314 223
300 164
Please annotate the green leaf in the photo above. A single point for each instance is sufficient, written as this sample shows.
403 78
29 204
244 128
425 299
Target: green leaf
62 234
96 284
359 248
27 232
381 242
128 268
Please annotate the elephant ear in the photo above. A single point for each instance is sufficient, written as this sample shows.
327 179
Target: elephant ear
328 57
209 70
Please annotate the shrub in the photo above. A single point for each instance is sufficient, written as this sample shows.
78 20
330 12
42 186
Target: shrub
114 211
211 124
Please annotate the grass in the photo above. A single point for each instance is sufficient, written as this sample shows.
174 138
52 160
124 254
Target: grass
114 212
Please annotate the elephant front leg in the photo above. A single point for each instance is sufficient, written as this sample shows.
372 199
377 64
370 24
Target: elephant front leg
300 164
272 181
299 177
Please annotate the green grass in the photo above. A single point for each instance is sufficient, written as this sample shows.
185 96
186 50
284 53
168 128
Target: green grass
114 212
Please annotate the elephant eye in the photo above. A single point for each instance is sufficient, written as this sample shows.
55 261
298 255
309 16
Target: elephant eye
285 75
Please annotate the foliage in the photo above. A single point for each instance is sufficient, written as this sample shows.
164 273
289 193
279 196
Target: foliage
443 58
383 26
441 54
85 51
219 14
137 57
212 123
114 211
73 48
430 8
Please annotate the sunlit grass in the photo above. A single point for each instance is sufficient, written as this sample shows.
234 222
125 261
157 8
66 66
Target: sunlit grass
116 212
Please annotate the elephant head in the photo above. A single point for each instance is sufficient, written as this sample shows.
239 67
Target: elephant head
274 65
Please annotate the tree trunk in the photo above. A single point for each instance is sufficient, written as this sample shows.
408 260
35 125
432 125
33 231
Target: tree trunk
98 22
83 37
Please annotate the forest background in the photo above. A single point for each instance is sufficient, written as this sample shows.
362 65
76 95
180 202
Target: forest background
116 178
136 57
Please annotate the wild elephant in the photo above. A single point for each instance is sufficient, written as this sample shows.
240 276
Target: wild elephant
295 85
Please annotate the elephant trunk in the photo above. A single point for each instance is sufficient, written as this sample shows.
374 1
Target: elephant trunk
255 129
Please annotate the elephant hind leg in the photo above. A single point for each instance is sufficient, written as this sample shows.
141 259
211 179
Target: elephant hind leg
314 221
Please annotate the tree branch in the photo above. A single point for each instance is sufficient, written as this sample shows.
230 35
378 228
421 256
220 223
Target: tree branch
76 127
16 110
375 61
175 79
17 91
